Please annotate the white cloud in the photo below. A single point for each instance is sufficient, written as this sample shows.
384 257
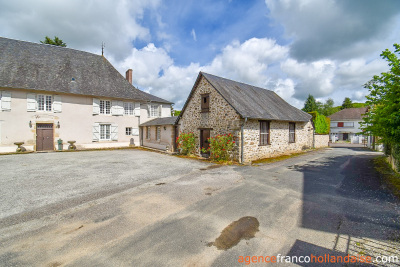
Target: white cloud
155 72
247 62
335 28
193 34
82 25
311 78
356 72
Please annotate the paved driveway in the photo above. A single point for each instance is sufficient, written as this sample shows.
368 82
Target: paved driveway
326 202
33 185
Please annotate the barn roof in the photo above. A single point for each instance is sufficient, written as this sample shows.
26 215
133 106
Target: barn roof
251 101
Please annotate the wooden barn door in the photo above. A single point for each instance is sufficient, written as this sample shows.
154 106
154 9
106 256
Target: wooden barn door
44 137
204 135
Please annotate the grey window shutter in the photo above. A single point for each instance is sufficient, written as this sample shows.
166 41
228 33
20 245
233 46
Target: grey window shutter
159 110
5 100
96 132
137 109
117 108
96 106
148 110
31 103
114 132
120 108
57 104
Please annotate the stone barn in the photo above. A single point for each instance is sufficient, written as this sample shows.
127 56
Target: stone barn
263 124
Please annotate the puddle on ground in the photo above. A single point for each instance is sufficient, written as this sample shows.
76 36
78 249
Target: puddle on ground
244 228
209 167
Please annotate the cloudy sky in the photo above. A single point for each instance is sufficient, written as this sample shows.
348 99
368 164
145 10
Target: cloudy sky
325 48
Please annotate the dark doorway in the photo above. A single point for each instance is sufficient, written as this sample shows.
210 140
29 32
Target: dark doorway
44 137
345 136
204 136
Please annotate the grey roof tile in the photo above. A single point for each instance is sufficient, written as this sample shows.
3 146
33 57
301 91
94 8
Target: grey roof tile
349 114
160 121
254 102
57 69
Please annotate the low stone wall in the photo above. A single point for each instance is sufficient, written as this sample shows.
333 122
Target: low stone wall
321 140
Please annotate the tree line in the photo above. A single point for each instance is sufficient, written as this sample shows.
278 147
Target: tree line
328 108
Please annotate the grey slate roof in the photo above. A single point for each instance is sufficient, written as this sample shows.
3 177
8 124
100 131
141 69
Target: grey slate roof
160 121
253 102
57 69
349 114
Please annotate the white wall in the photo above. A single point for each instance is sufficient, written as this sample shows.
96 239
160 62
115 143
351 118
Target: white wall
76 121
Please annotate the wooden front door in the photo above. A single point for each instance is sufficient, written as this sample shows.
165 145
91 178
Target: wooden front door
44 137
204 135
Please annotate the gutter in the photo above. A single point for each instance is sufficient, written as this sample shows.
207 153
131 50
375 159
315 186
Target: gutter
242 140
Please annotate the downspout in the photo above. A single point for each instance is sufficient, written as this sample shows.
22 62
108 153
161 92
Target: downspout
242 140
140 132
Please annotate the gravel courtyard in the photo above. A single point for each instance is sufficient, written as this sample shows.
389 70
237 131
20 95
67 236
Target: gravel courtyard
141 208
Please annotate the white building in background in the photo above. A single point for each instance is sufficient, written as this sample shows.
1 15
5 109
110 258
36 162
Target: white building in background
345 125
49 93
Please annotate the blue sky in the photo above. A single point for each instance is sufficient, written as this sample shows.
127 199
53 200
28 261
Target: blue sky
325 48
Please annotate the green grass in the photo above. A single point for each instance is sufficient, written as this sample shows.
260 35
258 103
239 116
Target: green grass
390 177
283 157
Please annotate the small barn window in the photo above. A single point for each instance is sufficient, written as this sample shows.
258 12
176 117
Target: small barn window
158 133
148 133
205 103
264 133
292 132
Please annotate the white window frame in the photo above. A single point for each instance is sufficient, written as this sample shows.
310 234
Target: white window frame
128 130
292 132
129 108
158 133
155 111
47 105
103 107
148 133
103 132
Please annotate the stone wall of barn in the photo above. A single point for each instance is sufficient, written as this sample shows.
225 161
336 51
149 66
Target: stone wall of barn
279 139
221 118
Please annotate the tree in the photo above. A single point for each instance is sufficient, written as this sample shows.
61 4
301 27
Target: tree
328 108
383 117
347 103
310 104
56 41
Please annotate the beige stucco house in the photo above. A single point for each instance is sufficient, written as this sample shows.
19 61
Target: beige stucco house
49 93
159 133
263 124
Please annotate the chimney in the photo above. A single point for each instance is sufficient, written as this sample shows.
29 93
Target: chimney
129 75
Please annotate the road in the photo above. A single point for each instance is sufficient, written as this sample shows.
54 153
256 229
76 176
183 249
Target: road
330 201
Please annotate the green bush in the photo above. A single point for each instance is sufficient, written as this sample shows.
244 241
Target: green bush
322 124
186 143
221 147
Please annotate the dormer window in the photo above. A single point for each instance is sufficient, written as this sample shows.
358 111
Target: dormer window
205 102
